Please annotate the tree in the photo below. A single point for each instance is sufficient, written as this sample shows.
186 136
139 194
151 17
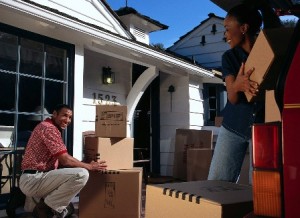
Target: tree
158 45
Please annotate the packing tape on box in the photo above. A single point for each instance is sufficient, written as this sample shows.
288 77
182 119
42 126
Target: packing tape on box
182 195
108 172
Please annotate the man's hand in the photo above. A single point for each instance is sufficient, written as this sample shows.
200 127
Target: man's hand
67 160
98 165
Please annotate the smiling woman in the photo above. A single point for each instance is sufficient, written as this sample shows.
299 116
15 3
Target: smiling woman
242 23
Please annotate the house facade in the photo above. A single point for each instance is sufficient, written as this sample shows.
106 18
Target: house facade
205 44
56 51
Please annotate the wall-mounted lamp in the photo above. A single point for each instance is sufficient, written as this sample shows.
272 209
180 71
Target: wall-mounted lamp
171 89
108 77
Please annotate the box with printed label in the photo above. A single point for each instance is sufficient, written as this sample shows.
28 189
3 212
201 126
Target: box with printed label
111 121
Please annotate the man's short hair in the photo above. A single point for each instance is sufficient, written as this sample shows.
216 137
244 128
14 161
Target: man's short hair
58 107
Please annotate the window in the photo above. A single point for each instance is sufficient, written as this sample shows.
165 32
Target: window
34 77
203 40
214 29
214 101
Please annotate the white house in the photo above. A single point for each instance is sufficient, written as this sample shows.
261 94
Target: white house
55 51
205 44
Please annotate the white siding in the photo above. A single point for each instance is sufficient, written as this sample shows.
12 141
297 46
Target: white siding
186 112
208 55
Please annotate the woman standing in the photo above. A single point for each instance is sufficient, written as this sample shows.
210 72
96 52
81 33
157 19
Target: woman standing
242 25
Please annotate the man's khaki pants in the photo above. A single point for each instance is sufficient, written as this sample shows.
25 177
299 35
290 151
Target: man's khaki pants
57 187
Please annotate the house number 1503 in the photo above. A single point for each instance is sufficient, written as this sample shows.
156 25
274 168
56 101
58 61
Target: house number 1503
99 97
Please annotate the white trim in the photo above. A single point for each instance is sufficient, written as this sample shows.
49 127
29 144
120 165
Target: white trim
105 36
109 18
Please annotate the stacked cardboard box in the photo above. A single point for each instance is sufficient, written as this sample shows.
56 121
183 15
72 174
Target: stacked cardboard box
198 163
112 194
117 191
111 121
109 142
193 153
117 152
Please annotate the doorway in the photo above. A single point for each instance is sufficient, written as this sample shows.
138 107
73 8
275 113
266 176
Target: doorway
146 125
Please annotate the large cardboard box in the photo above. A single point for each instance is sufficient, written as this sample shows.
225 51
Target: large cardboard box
186 139
267 57
117 152
111 121
205 199
112 194
198 163
272 113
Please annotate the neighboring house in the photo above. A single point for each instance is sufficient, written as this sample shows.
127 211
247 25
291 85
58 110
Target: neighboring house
205 44
56 51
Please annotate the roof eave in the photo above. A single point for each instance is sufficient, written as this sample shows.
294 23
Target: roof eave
96 33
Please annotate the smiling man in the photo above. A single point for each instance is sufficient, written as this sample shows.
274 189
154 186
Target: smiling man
42 178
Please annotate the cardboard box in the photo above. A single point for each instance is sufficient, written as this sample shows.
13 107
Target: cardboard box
112 194
198 163
111 121
205 199
244 175
184 140
272 113
118 153
218 121
267 57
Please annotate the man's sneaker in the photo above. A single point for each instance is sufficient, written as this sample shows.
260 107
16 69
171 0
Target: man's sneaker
70 209
42 210
66 213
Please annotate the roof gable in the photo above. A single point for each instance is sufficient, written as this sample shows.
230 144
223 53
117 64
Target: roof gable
151 24
203 28
92 12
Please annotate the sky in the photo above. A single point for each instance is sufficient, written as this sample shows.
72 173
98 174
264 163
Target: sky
180 15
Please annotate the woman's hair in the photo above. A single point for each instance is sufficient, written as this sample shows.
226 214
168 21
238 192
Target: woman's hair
246 14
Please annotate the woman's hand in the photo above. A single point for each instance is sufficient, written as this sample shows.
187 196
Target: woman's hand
98 165
240 83
243 82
